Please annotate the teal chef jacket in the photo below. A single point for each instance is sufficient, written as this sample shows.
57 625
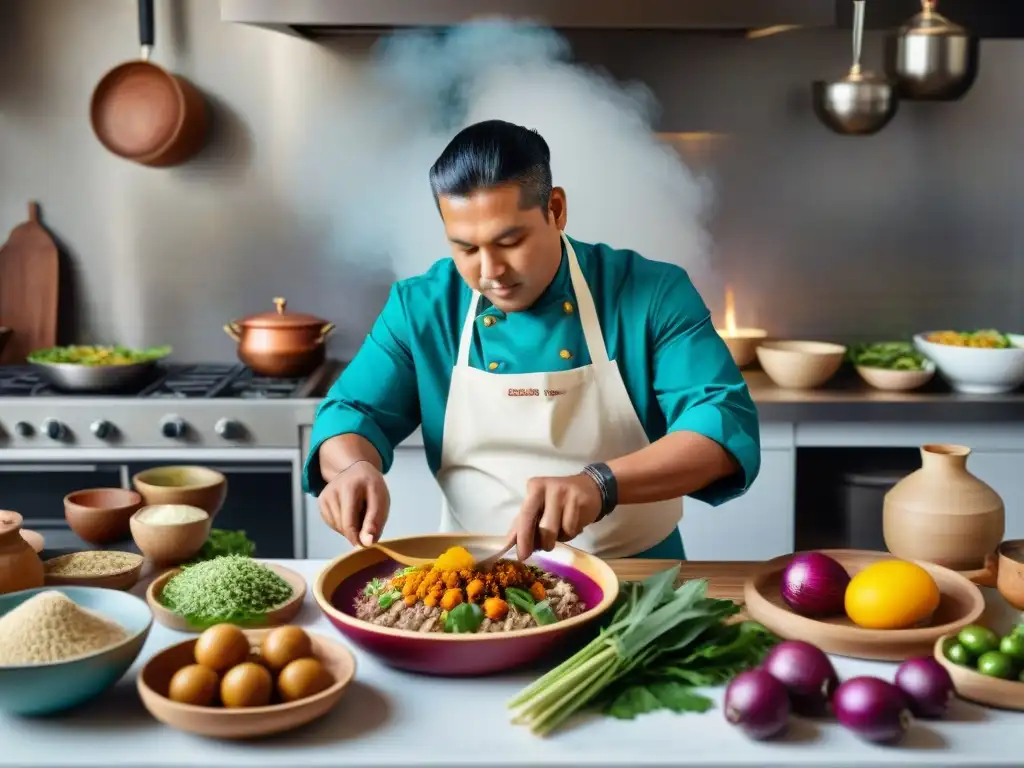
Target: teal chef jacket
677 370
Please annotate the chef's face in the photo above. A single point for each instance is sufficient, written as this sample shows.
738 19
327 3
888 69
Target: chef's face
507 253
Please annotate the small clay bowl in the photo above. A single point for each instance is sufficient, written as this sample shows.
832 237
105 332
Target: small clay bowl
282 614
167 545
100 515
743 344
195 486
1010 576
126 578
154 681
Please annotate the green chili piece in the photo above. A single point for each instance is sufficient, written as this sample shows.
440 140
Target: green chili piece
520 599
543 614
465 617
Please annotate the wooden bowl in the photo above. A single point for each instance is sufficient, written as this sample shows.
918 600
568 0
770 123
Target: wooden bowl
982 689
470 654
961 603
897 381
282 614
800 364
124 579
169 544
194 486
100 515
1010 575
252 722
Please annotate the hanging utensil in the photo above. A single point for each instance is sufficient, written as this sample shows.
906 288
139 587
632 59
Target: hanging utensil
861 103
144 113
931 58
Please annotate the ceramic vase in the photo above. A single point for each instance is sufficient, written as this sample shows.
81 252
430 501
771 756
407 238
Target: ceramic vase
942 513
20 566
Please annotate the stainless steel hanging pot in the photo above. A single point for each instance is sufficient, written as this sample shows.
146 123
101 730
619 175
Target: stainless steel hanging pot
930 58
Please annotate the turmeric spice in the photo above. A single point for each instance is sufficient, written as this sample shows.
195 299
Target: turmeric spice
430 585
455 559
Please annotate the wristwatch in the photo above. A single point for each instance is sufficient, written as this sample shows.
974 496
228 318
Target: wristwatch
606 483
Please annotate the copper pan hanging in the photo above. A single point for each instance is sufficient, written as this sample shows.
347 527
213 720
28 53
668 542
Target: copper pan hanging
144 113
931 58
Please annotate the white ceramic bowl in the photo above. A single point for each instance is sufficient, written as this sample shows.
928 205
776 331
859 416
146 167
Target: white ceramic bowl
897 381
800 364
976 370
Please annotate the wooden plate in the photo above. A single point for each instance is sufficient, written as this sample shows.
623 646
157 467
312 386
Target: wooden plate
220 723
125 579
974 686
282 614
961 604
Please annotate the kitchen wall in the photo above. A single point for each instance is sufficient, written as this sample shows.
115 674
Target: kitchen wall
821 236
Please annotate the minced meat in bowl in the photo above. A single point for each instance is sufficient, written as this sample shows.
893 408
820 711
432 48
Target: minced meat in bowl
452 596
358 592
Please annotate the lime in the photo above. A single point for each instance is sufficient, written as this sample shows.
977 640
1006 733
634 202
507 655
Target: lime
1013 646
978 639
958 654
996 664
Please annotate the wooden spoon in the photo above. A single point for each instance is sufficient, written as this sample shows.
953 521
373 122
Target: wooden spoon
484 559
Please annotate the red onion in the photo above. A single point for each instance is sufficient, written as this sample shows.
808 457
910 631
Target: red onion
874 709
757 703
814 584
806 672
926 685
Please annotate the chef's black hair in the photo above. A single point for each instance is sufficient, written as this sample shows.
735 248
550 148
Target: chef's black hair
492 153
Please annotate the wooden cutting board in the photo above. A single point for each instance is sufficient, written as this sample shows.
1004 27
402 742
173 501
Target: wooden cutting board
29 287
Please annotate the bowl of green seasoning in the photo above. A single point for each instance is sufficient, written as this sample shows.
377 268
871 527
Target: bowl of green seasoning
894 366
231 589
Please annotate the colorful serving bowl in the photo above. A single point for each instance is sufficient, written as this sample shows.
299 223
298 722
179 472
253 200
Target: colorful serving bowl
43 689
457 655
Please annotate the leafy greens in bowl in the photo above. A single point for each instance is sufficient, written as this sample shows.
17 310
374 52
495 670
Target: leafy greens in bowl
97 355
890 355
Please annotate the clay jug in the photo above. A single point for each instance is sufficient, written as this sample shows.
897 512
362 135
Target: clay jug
942 513
20 566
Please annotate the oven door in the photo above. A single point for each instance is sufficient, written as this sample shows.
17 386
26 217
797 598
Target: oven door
36 491
259 502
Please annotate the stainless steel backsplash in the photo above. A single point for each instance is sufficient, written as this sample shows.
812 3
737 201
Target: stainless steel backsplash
820 236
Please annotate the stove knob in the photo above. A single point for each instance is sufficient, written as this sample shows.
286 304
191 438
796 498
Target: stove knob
54 430
23 429
229 429
173 427
102 429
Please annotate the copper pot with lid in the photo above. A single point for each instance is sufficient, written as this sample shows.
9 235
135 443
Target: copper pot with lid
279 343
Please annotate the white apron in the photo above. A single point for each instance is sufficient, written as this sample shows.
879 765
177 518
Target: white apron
502 429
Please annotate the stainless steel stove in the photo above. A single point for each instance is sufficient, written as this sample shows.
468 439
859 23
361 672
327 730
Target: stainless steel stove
218 415
183 405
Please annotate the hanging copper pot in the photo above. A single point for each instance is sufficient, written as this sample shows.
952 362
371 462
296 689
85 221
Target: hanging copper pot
931 58
279 343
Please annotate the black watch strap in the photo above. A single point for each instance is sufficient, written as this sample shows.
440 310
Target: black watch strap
606 484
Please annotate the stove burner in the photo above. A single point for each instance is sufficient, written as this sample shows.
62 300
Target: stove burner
177 381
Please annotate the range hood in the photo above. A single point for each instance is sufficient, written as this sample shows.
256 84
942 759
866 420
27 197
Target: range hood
316 18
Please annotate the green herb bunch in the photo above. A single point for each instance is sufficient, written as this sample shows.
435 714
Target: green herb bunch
662 643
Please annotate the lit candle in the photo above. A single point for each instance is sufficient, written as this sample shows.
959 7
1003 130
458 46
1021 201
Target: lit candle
742 342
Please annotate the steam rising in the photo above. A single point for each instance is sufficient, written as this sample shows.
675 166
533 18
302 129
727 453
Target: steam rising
624 187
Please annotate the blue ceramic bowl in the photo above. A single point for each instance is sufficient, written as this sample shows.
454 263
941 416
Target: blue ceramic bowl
42 689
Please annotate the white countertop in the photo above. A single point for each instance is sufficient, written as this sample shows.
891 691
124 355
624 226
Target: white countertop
391 718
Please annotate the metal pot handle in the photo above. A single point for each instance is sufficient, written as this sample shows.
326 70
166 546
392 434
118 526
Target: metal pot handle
232 330
326 331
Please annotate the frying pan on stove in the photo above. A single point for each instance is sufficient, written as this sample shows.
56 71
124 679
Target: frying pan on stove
144 113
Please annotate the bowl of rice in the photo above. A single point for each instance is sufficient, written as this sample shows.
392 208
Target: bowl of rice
63 646
170 534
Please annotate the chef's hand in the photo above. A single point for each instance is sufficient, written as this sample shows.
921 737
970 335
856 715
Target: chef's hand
555 509
355 503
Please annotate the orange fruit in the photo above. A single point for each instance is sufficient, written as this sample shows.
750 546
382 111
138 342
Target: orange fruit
891 594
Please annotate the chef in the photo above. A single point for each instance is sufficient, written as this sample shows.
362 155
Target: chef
565 391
